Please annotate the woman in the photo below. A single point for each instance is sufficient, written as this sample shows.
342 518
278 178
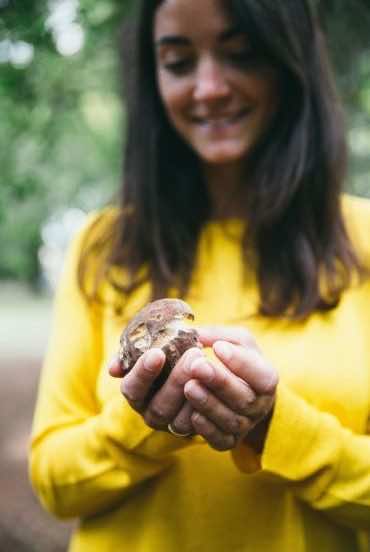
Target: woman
231 200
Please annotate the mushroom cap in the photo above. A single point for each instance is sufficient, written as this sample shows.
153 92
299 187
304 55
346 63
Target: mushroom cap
161 324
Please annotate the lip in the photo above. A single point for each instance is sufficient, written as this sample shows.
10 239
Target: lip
221 120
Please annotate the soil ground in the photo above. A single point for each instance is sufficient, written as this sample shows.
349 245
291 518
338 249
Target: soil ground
24 526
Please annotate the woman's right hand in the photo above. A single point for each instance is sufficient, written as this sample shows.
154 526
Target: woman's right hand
169 401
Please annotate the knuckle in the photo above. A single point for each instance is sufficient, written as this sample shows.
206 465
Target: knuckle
150 421
270 383
244 402
149 371
213 434
185 423
261 408
196 418
178 376
157 413
220 381
201 424
184 416
244 405
238 425
203 400
223 443
127 391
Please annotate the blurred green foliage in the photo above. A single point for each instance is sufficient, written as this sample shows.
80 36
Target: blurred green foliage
61 119
61 115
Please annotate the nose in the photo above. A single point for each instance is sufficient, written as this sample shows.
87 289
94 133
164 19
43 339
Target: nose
211 82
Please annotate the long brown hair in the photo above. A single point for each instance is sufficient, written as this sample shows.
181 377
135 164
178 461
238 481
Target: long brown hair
295 226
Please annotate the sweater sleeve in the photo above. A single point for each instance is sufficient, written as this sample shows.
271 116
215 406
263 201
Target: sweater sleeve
85 458
320 461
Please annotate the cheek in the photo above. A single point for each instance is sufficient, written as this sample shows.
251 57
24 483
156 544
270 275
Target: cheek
174 96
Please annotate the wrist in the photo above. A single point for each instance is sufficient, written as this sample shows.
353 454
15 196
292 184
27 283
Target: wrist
257 436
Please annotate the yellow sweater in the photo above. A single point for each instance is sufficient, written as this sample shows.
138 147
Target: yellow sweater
139 490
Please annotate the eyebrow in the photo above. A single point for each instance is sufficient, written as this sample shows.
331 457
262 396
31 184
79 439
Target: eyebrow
178 40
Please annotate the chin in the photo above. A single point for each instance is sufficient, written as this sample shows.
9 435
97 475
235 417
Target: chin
223 155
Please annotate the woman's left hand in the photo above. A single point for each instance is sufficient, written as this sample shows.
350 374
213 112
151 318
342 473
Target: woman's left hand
233 397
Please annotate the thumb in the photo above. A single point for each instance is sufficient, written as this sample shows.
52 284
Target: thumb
115 367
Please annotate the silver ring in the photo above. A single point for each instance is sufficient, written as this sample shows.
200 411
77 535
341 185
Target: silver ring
173 432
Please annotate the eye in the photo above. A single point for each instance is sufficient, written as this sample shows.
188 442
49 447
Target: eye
179 66
245 58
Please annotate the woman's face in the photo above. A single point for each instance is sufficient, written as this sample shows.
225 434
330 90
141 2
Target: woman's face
217 95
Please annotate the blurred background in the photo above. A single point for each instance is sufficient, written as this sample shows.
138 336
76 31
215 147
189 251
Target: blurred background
61 139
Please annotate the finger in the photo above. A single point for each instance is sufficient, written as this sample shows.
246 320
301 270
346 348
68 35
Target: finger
137 384
208 335
214 436
115 367
182 422
262 407
204 402
226 386
249 365
169 399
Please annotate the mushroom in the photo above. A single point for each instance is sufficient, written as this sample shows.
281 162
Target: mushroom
161 324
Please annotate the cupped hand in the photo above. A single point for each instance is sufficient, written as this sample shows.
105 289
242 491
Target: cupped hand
224 401
169 401
232 397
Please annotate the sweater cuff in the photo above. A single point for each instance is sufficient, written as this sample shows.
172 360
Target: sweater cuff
124 430
291 436
286 443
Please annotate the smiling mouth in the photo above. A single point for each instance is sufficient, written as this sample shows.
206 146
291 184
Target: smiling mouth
221 121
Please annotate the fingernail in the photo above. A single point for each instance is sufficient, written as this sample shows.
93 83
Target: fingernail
202 369
195 392
114 362
152 358
195 352
223 349
197 418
